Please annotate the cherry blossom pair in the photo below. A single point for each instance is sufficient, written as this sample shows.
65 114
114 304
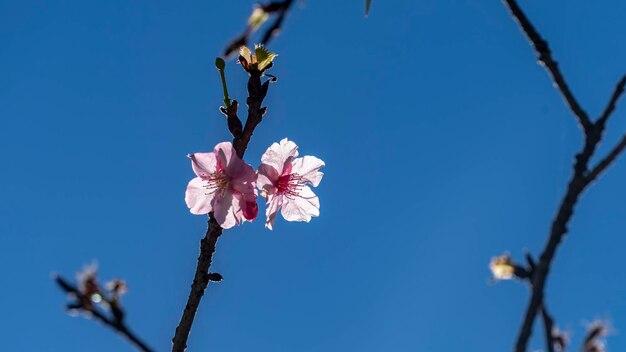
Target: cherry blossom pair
226 185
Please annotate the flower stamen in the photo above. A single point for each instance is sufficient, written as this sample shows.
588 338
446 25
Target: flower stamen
290 185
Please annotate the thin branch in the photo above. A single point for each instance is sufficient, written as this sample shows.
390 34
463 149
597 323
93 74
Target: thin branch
278 23
256 94
545 57
607 161
610 107
114 323
579 179
548 324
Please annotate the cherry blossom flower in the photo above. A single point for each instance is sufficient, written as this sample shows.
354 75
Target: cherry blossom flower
225 186
283 180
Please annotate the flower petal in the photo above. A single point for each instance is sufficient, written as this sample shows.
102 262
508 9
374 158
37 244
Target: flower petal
198 198
225 153
278 154
227 210
267 178
308 168
203 164
302 207
244 180
273 205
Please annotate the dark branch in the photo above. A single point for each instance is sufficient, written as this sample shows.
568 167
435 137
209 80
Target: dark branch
548 324
278 23
579 180
200 282
545 57
608 160
619 90
256 94
115 322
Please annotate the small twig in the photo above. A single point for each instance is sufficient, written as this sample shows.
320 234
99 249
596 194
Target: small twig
256 94
545 57
114 323
548 323
607 161
610 107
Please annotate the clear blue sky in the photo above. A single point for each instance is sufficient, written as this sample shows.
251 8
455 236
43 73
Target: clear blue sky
445 144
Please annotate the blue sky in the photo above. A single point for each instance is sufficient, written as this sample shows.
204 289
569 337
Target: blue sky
445 144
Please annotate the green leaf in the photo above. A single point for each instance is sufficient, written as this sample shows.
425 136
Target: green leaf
263 56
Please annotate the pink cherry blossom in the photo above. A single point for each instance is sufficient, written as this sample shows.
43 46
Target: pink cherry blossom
225 186
283 180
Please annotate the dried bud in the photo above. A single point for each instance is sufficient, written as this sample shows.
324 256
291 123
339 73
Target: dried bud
215 277
502 267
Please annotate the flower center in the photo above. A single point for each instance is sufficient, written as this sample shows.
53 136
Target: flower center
290 185
217 182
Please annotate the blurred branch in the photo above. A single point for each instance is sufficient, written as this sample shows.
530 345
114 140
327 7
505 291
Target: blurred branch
256 94
548 324
545 58
277 8
580 178
84 304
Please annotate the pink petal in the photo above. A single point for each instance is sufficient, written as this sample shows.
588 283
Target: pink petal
308 168
197 197
250 210
225 153
267 178
203 164
302 207
274 204
278 154
245 179
227 210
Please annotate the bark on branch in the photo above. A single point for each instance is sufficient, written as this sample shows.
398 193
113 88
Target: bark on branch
256 94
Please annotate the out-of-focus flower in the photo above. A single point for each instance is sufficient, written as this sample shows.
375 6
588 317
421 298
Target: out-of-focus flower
502 267
596 332
117 287
560 339
258 17
259 61
225 186
88 283
283 180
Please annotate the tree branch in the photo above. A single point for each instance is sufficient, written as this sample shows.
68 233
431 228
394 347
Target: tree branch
548 324
256 94
116 322
579 179
608 160
545 57
278 23
610 107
